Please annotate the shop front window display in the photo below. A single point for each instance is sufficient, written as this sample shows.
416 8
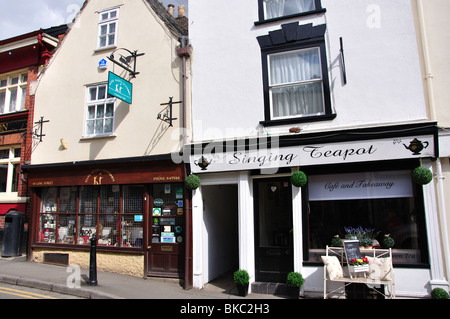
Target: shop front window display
73 215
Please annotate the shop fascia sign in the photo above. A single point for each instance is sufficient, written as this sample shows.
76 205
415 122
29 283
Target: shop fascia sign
120 88
271 159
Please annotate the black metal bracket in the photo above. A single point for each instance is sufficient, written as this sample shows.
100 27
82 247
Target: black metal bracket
125 61
166 114
344 71
39 129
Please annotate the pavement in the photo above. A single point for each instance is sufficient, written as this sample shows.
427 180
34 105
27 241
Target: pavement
61 279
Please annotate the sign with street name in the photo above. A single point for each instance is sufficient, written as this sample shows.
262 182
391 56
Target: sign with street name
120 88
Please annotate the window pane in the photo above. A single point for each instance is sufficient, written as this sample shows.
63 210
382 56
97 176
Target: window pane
104 16
132 232
87 225
68 199
112 28
295 66
88 199
111 39
49 199
108 126
13 100
3 177
90 127
24 95
104 29
303 99
2 101
93 94
91 112
4 154
133 199
100 111
3 83
67 229
47 229
14 81
98 126
109 110
103 41
113 14
101 92
15 180
108 230
24 78
280 8
109 199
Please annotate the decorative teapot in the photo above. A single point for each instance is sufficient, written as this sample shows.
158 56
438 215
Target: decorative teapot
203 163
416 146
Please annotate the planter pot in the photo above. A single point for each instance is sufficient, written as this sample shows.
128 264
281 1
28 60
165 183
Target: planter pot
355 269
242 290
293 292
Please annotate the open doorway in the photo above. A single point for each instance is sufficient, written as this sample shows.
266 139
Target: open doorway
220 233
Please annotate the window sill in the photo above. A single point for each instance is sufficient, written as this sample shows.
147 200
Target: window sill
290 16
298 120
110 47
97 137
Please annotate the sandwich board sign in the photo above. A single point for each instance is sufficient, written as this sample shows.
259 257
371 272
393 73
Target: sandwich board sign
120 88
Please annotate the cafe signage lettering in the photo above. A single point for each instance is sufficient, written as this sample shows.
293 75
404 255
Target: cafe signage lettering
215 160
96 177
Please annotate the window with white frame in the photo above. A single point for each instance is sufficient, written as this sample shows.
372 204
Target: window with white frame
100 111
295 83
276 9
107 28
9 169
13 92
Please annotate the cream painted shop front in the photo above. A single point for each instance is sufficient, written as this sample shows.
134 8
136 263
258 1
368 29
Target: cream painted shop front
248 215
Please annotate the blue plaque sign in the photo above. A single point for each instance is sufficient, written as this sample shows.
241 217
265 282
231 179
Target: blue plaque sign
120 88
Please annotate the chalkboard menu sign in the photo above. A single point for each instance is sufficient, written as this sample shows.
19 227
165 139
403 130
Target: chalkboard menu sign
352 251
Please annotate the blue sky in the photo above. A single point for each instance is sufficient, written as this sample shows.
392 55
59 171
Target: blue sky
22 16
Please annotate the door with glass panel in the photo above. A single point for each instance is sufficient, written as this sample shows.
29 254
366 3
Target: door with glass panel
273 229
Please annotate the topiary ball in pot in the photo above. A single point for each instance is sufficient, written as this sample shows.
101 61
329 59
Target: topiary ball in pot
295 279
422 175
192 182
388 241
439 293
299 179
336 241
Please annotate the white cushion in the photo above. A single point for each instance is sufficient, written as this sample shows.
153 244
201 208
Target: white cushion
334 268
380 268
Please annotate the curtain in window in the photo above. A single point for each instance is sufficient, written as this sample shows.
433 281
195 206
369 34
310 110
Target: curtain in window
296 83
279 8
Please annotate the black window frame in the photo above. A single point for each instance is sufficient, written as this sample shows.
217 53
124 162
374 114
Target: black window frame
262 18
294 37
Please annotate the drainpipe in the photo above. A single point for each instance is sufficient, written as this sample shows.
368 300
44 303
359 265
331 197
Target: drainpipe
432 109
184 52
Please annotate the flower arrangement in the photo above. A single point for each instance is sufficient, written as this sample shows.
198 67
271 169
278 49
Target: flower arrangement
364 235
358 262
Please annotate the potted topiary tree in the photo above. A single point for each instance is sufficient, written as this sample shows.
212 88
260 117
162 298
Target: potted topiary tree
241 279
422 175
295 282
439 293
336 241
388 241
299 179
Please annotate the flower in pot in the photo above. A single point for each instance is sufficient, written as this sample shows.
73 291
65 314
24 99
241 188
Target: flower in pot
295 281
241 279
358 265
365 242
